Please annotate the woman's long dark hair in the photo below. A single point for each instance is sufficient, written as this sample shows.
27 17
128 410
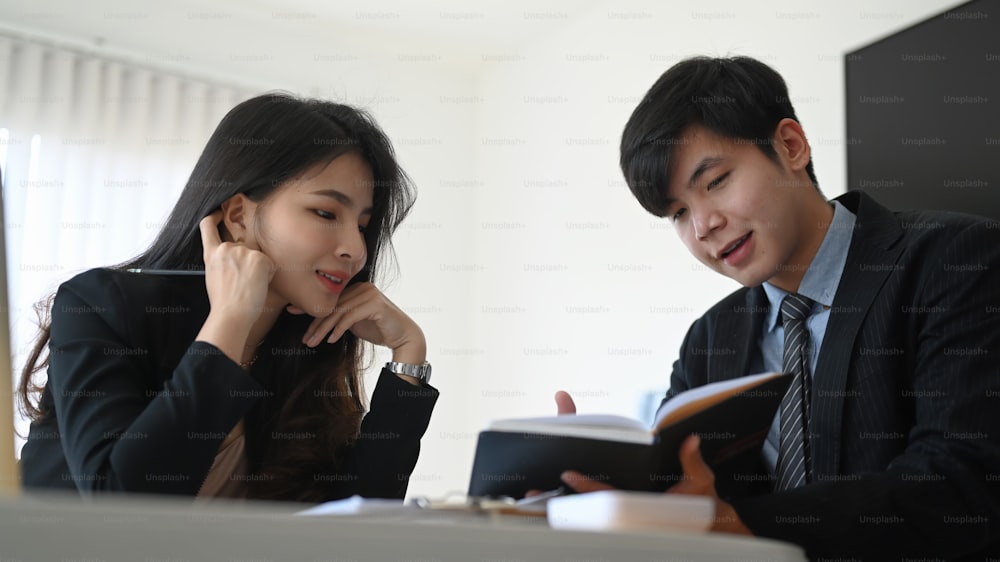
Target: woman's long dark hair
260 144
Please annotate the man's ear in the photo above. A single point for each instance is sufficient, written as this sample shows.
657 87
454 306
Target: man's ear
237 213
791 143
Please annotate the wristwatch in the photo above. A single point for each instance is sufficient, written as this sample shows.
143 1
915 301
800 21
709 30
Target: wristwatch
421 372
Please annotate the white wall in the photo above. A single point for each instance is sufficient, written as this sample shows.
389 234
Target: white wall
526 260
575 286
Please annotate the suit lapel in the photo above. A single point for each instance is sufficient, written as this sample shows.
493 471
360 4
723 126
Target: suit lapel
736 336
870 260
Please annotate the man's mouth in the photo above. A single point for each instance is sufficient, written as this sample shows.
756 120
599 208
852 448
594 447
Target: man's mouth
734 245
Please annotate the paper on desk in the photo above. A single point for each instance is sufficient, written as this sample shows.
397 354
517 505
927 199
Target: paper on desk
620 510
357 505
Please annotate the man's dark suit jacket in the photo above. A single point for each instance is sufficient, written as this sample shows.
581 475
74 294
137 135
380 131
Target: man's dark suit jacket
905 420
137 405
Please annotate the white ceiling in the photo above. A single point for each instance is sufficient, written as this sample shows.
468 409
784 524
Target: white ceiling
202 37
452 29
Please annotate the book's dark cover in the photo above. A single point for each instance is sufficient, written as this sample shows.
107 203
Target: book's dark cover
511 463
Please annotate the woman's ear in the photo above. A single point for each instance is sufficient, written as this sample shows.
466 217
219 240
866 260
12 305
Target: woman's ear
237 218
791 144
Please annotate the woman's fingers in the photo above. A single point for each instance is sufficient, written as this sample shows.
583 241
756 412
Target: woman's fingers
210 240
369 315
350 299
343 317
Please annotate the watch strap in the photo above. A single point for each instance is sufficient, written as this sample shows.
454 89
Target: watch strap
421 372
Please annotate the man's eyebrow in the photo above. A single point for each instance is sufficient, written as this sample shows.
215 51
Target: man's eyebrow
341 198
668 202
705 165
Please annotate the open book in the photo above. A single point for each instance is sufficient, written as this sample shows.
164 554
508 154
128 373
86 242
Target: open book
732 418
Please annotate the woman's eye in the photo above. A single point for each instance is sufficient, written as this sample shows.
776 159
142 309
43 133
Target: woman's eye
676 216
324 214
363 228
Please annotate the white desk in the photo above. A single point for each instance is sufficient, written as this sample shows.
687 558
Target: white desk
147 530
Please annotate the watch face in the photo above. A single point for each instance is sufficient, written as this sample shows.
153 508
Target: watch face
422 372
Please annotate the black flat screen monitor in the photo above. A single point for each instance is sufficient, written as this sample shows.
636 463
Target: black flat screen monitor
923 113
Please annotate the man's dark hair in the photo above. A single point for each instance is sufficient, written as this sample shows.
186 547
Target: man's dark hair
738 97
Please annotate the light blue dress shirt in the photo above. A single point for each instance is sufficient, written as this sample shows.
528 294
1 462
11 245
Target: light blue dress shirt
819 284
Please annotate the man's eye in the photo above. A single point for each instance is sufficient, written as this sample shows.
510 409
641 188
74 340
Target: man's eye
676 216
718 180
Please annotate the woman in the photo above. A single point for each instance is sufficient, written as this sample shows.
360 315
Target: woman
243 380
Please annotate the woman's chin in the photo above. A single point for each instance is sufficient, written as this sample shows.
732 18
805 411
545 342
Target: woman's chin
319 309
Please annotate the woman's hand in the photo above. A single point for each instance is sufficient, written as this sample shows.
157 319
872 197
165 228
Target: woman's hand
371 316
237 279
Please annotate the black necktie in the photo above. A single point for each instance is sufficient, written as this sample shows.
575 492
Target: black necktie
793 448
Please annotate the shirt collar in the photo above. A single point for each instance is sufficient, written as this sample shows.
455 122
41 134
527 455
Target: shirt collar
823 275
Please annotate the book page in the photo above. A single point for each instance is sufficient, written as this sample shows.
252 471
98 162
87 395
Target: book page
357 505
594 426
699 398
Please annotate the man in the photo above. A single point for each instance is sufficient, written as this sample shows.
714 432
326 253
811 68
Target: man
887 444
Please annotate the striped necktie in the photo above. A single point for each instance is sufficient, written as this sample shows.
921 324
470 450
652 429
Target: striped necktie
793 448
